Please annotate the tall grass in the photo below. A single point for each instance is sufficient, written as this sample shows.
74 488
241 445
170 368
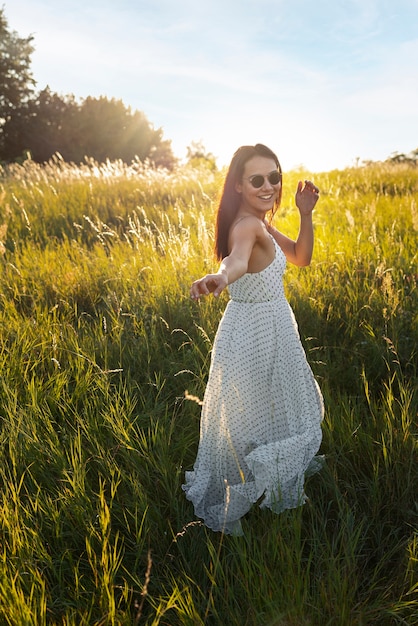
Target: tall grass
102 353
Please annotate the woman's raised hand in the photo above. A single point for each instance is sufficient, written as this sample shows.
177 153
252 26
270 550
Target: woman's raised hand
306 197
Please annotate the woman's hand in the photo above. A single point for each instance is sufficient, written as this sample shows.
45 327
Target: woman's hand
306 197
211 283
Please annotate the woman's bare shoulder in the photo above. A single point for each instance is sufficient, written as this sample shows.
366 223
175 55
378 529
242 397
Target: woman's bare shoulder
248 222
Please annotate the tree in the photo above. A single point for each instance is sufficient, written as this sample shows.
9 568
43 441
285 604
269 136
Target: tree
43 125
98 128
198 156
411 158
16 81
110 130
161 154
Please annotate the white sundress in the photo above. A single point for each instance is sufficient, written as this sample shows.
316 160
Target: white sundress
262 410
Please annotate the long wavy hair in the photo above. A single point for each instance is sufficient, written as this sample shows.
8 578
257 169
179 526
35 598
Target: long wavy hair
231 199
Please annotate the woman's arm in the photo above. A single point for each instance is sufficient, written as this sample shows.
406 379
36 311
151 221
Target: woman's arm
299 252
242 239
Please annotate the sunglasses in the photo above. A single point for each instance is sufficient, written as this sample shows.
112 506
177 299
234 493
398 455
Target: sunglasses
257 180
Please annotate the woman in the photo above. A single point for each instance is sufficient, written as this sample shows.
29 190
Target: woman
262 410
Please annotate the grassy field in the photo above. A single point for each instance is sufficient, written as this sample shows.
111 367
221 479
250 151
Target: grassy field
102 352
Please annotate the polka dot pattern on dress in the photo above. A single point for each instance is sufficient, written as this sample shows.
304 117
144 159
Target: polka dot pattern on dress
262 411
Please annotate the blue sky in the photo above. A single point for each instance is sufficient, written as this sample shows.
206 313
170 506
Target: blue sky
322 82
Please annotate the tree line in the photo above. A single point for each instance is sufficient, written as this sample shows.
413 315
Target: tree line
40 124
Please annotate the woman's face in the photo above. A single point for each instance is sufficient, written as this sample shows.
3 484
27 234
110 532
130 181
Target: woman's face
259 200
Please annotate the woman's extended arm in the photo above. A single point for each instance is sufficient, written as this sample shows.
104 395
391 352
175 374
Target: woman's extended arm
233 266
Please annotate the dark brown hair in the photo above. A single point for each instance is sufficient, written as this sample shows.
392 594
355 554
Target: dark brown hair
231 198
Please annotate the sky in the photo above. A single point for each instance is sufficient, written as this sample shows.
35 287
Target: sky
326 84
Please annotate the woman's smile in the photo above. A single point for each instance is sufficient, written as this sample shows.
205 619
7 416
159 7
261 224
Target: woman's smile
257 192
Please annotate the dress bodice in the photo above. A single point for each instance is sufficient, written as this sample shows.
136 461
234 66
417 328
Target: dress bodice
261 286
